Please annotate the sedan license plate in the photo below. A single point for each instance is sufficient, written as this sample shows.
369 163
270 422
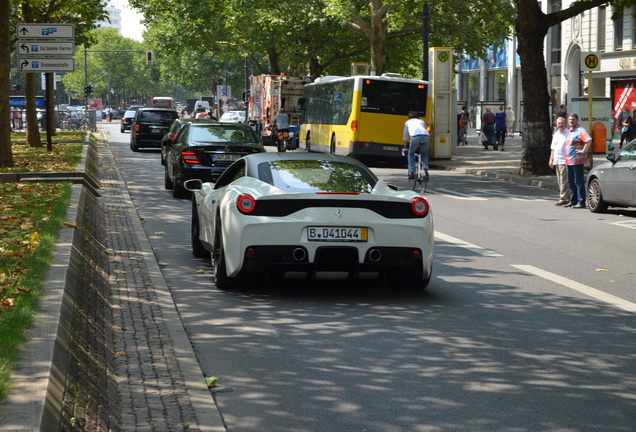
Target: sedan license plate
226 157
337 234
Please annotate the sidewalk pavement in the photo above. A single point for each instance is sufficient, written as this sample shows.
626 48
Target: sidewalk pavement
137 370
503 165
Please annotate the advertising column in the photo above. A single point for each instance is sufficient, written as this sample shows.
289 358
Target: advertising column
442 122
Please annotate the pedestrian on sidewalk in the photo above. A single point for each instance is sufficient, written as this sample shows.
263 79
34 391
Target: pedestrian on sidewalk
500 128
488 128
624 121
557 160
577 145
463 123
510 121
562 111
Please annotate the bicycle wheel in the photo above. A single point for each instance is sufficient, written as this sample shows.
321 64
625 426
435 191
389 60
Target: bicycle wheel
413 182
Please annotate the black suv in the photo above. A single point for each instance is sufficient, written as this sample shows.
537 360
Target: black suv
149 126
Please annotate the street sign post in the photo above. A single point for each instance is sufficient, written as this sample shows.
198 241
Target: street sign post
45 31
40 46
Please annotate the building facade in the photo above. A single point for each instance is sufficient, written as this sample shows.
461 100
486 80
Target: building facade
497 80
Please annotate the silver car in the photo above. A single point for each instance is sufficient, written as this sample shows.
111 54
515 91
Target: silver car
613 183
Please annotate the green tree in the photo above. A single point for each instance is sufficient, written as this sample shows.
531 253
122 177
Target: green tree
467 26
531 27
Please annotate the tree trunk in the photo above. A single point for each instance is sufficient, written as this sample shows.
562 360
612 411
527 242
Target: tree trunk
33 128
378 36
537 133
6 157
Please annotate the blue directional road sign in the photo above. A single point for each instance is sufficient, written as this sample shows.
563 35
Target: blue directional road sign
45 31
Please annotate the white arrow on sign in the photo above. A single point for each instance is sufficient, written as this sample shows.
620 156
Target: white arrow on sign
45 31
31 48
46 64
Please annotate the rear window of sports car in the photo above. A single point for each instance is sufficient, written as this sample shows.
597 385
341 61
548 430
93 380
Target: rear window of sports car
316 176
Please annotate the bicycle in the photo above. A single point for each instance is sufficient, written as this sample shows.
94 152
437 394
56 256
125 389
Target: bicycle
283 143
419 181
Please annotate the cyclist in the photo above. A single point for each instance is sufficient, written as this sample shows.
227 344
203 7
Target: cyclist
415 128
281 123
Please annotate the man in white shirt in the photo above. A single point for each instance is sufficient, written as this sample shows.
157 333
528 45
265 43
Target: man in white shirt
416 129
557 160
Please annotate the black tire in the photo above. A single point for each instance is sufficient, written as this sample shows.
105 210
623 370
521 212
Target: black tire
179 191
198 250
167 183
221 279
332 147
595 201
121 129
163 161
134 147
307 144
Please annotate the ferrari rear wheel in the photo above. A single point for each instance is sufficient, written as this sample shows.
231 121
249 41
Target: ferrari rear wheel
195 230
221 279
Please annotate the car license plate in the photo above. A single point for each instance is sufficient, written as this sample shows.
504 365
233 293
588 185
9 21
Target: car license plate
337 234
390 148
157 130
226 157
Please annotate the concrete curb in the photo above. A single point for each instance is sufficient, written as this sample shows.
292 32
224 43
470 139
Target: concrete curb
200 396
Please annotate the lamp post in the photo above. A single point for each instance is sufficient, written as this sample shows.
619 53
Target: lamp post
425 21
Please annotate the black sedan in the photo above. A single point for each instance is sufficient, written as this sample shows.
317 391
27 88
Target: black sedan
613 183
126 120
204 149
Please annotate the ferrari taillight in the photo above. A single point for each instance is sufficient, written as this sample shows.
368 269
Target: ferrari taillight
419 206
246 203
189 157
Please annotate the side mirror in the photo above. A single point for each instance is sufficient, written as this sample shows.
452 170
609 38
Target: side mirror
611 157
193 185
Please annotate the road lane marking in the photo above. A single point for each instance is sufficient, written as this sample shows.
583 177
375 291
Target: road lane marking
508 195
583 289
457 195
461 243
627 224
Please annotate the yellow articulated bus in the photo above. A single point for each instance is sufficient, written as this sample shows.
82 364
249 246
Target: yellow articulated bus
361 116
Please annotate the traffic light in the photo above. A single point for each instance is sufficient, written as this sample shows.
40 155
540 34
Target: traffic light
88 89
149 58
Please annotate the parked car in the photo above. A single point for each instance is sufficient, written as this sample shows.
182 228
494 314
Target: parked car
171 136
313 215
149 126
613 183
203 149
126 121
233 117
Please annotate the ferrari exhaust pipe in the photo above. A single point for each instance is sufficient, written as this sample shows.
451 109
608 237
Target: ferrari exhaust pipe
299 254
375 255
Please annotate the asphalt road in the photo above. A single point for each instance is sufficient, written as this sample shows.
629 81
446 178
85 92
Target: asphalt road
528 323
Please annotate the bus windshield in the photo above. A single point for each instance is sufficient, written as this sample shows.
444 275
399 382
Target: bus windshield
163 102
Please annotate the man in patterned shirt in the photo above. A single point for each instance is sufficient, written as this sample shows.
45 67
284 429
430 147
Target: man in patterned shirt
576 147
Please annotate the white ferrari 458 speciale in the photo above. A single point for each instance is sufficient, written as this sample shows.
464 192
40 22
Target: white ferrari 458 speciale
273 216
